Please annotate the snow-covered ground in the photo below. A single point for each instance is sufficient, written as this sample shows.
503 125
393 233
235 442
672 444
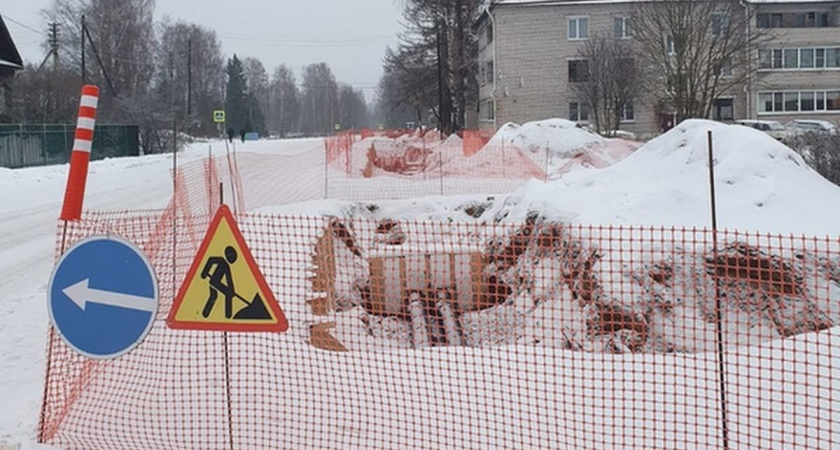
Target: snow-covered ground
29 208
762 186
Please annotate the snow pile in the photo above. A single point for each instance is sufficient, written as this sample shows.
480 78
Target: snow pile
657 297
563 137
556 146
559 146
423 142
762 185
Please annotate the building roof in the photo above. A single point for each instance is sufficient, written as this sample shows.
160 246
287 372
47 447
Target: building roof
9 56
561 2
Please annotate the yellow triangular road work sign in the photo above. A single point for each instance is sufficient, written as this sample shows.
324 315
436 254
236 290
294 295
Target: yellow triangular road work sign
224 289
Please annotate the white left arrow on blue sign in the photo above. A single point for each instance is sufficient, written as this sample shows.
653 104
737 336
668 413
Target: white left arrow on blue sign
81 294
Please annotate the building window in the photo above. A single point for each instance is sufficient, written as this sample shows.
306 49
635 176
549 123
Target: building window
806 101
812 19
487 111
628 113
578 28
720 23
765 102
791 58
765 58
578 112
799 58
487 72
578 70
723 109
777 59
832 58
806 58
832 101
799 101
778 101
489 32
791 101
769 20
823 20
808 19
725 70
621 28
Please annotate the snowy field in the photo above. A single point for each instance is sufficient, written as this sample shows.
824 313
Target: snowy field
762 186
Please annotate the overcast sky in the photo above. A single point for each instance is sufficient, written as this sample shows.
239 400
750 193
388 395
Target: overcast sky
349 35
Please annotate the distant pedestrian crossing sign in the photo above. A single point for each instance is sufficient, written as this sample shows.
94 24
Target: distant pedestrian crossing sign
224 289
219 116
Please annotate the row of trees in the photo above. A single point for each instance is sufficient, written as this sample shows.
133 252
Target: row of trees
683 55
158 74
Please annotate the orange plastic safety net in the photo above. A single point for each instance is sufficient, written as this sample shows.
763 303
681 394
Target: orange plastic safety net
463 334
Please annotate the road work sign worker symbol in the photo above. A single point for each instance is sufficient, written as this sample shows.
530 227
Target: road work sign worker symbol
224 289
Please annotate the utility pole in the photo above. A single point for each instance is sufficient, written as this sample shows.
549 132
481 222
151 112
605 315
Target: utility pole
438 33
171 73
189 78
54 43
84 31
52 39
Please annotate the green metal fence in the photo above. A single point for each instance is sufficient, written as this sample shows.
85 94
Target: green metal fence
25 145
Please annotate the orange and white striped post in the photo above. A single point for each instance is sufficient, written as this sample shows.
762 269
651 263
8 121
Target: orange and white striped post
74 194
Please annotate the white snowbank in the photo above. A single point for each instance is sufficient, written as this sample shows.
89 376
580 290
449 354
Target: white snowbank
559 146
761 185
561 136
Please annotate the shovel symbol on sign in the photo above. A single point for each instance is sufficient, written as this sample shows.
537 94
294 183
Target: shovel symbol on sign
217 271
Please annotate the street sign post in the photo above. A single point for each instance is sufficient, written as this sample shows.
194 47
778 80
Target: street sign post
103 297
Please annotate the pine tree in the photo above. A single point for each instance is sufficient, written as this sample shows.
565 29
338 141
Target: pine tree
236 97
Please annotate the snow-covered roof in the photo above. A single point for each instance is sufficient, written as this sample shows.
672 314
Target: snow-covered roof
4 63
9 56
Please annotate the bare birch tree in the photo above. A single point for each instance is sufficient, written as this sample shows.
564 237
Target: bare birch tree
693 51
319 100
612 82
284 107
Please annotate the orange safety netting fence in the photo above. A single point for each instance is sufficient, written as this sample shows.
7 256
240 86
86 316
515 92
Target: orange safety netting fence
420 334
398 164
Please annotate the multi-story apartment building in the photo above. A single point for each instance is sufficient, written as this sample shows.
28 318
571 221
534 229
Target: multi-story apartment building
529 58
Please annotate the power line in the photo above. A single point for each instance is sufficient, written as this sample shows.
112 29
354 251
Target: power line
21 24
28 42
319 39
311 42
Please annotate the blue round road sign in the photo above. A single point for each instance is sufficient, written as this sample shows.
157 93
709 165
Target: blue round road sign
103 297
